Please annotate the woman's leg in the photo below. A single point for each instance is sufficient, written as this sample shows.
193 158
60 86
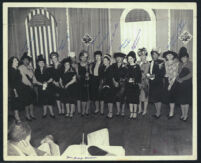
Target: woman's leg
145 108
62 108
102 107
67 109
140 107
182 111
118 104
16 114
186 111
96 106
72 108
44 110
123 109
59 106
110 108
135 111
78 106
131 110
84 103
88 106
158 108
51 110
172 106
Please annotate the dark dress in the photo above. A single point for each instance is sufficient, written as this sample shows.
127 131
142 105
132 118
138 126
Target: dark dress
45 97
82 83
15 82
55 74
132 88
94 82
68 94
119 75
27 92
156 85
184 89
106 93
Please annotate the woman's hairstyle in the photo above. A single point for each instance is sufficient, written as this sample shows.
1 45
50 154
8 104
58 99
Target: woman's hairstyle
131 54
10 62
54 54
142 50
97 53
82 53
19 131
183 53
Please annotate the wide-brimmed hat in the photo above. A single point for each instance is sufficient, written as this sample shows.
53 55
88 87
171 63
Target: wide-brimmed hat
25 56
119 54
183 52
54 54
157 51
131 54
108 56
142 50
40 58
169 52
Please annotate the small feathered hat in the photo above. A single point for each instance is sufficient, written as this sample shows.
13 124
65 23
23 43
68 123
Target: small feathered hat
119 54
183 52
25 55
40 58
131 54
169 52
108 56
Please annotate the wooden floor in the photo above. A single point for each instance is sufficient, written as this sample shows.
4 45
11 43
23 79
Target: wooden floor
145 136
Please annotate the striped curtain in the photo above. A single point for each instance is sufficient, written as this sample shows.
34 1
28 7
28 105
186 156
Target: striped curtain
41 34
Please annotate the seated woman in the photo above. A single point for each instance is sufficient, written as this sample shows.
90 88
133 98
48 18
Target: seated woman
19 136
68 84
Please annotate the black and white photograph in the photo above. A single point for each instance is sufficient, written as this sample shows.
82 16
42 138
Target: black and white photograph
100 81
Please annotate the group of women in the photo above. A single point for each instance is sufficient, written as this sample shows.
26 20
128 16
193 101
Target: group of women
126 81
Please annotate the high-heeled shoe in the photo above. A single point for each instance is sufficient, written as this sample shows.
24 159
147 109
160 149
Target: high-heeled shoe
44 116
67 115
170 117
110 115
185 120
28 119
156 116
122 114
135 115
33 117
71 115
52 116
131 115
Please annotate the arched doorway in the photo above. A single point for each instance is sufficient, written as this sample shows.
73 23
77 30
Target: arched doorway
138 29
41 34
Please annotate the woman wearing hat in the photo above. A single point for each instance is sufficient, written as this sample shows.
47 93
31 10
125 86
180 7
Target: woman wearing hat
105 86
144 88
68 83
155 76
55 72
83 84
96 68
118 77
45 93
132 84
28 79
171 71
184 86
15 85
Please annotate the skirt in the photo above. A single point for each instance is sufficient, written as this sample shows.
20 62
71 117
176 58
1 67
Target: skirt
144 91
28 95
68 95
16 103
56 92
184 92
155 90
46 97
94 88
169 96
132 93
82 90
119 94
107 95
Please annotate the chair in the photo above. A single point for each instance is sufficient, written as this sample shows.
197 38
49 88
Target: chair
100 137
